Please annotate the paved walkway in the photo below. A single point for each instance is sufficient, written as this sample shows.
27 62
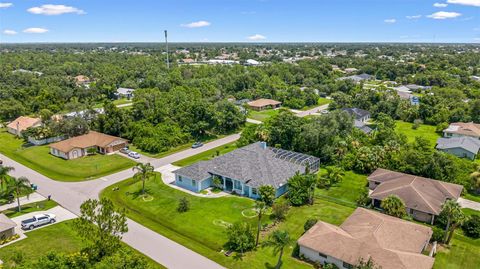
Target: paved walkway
159 248
469 204
254 121
32 198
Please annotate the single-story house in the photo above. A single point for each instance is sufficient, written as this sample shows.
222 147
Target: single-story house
125 93
358 114
82 80
7 227
22 123
261 104
460 129
415 87
402 88
362 126
390 242
244 170
463 147
423 197
78 146
252 62
358 78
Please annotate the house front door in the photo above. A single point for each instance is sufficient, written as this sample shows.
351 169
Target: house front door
228 184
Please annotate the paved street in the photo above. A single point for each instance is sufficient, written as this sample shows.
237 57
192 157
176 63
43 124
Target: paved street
72 194
312 111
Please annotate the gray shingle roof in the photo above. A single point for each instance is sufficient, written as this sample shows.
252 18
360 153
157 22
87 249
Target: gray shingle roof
362 126
358 113
467 143
253 164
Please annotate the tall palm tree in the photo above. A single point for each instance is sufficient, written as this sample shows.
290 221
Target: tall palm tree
260 207
279 240
454 214
18 186
4 170
144 171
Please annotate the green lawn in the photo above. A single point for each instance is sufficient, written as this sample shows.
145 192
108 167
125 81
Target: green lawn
28 208
198 228
39 159
463 253
471 196
426 131
262 115
207 155
347 191
59 238
323 101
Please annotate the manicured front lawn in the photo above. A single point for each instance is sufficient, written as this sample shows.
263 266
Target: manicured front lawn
323 101
426 131
262 115
462 254
471 196
39 159
28 208
202 227
60 238
347 191
207 155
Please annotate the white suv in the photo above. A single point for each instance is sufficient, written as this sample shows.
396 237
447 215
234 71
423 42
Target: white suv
38 220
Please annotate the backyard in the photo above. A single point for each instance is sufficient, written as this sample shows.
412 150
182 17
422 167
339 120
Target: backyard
39 159
262 115
202 228
60 238
347 191
462 253
425 131
207 155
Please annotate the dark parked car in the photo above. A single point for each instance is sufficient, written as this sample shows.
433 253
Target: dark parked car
197 145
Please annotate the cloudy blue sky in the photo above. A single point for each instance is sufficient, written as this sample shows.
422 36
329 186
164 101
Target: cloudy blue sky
240 20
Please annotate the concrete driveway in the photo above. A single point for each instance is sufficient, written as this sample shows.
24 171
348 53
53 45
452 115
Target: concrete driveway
61 213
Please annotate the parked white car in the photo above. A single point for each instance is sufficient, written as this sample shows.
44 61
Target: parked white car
134 155
38 220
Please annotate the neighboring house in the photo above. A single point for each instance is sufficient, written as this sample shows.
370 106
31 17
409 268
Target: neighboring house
21 123
463 147
362 126
358 78
358 114
390 242
261 104
78 146
476 78
124 93
461 129
7 227
252 62
82 80
415 87
244 170
351 70
402 88
423 197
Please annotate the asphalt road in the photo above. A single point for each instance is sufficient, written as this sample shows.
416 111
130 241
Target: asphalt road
159 248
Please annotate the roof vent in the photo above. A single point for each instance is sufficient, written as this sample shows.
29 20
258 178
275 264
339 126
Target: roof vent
263 145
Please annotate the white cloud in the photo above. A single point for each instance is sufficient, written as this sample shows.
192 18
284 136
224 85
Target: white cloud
5 5
196 24
9 32
390 21
475 3
256 37
35 30
414 17
442 15
440 5
54 10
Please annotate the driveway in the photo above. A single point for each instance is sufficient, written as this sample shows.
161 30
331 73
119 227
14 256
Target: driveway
469 204
61 213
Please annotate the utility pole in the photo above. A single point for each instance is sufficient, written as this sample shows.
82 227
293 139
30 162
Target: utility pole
166 45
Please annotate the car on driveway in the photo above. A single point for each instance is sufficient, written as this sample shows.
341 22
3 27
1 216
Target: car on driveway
134 155
197 145
125 150
38 220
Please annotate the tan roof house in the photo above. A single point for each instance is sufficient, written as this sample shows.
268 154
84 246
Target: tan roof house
390 242
78 146
21 123
82 80
261 104
7 227
458 129
423 197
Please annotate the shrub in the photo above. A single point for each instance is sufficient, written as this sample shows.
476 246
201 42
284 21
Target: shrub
309 224
472 226
438 234
183 205
416 124
241 237
279 211
363 200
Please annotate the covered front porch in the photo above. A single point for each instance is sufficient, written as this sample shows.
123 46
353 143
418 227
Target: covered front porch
235 186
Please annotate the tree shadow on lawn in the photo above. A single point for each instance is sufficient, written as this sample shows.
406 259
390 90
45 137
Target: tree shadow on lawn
139 194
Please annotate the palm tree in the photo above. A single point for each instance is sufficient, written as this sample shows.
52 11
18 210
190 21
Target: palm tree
335 174
144 171
278 240
260 207
455 216
18 186
4 170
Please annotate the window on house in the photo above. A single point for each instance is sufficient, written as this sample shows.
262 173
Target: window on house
347 265
194 183
180 178
254 191
322 255
238 185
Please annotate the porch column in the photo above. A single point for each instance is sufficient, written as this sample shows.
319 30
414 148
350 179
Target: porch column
242 190
433 219
224 183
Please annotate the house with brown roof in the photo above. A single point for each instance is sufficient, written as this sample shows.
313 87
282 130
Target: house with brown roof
7 227
79 146
261 104
423 197
82 80
391 243
461 129
21 124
